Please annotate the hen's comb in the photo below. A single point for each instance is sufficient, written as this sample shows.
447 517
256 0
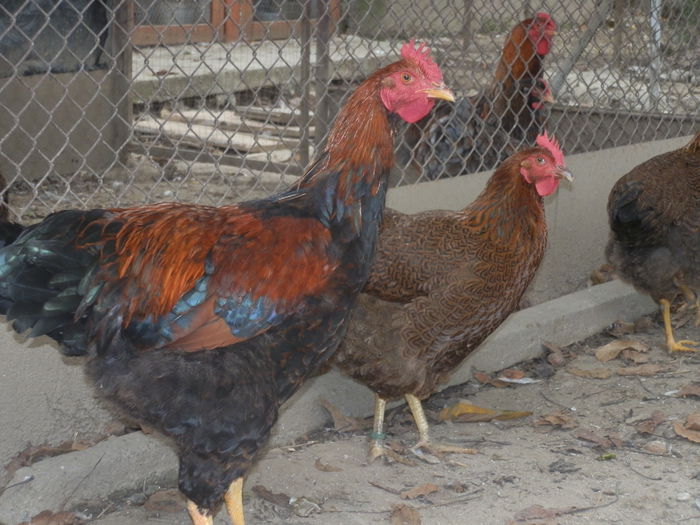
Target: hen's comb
421 56
551 145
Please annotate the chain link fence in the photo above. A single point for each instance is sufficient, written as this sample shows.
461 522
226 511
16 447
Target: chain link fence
123 102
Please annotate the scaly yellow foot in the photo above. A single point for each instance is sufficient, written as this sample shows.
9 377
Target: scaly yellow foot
424 443
684 345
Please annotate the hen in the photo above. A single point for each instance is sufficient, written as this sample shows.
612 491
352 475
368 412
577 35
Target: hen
654 215
443 281
451 142
201 321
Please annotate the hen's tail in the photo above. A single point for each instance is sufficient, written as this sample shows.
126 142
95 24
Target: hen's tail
694 145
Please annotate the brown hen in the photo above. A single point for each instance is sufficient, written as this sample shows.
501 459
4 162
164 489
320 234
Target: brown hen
654 214
442 281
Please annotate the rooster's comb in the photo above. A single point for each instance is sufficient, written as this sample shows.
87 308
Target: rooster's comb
551 145
421 56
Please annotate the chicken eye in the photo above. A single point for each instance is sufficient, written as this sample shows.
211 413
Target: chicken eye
406 77
540 160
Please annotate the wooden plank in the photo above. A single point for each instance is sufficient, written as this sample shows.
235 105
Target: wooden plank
252 162
232 121
207 136
278 116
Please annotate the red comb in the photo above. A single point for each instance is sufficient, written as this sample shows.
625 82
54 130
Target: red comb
551 145
421 56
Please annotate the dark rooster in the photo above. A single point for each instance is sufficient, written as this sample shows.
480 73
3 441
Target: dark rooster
443 281
201 321
451 141
654 214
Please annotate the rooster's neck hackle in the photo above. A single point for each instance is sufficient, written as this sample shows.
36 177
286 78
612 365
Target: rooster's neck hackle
360 144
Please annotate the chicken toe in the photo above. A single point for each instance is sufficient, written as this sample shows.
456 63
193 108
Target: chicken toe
424 443
684 345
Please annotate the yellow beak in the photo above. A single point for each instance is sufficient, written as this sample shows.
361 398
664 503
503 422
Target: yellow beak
440 92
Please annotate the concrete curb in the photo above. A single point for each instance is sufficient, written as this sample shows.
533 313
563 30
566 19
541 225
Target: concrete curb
117 466
125 463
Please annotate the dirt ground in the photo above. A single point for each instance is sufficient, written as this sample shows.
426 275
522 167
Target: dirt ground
594 450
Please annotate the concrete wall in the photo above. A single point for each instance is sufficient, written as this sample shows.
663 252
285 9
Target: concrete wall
45 398
59 123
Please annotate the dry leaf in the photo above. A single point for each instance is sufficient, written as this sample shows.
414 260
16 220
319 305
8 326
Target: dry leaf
279 499
693 422
170 500
538 512
612 349
691 389
690 430
511 373
558 419
326 468
488 380
635 356
620 328
657 448
649 425
421 490
601 441
596 373
555 357
649 369
341 422
466 412
402 514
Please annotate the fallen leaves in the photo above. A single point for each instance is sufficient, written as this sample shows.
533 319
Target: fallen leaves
648 426
326 468
690 429
488 380
561 419
613 349
538 512
650 369
691 389
656 448
402 514
602 441
419 491
466 412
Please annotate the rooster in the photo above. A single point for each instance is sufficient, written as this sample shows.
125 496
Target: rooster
443 281
655 231
451 141
201 321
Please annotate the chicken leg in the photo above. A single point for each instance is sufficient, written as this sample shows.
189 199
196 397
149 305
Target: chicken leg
234 502
424 442
197 517
377 437
684 345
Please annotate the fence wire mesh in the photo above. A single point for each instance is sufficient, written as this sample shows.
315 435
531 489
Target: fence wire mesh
122 102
